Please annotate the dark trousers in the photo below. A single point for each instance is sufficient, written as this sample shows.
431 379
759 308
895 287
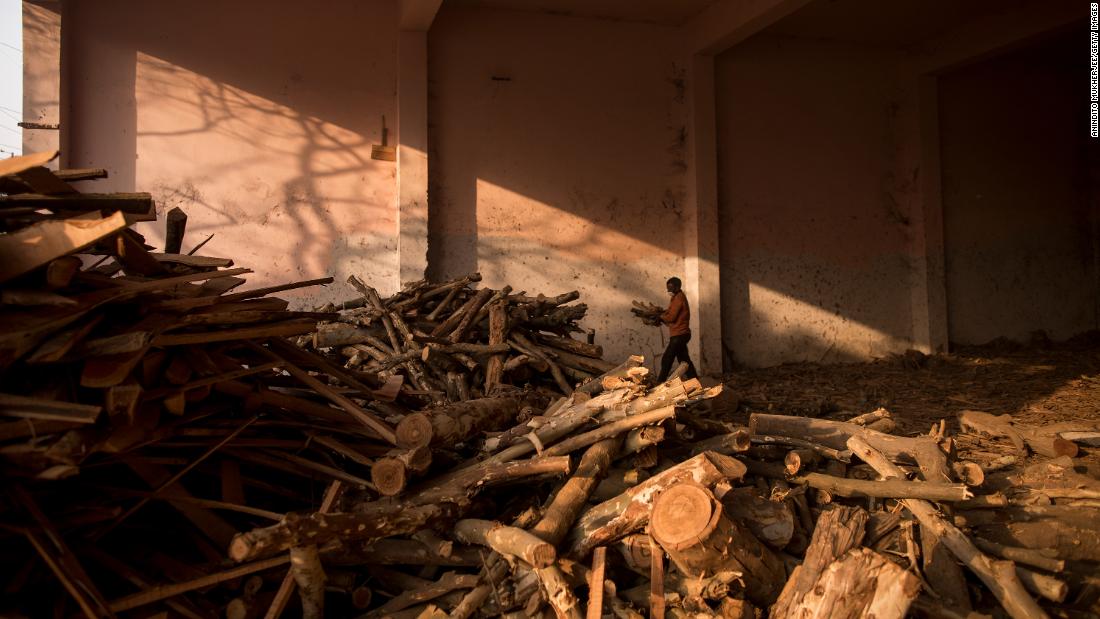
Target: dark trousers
677 350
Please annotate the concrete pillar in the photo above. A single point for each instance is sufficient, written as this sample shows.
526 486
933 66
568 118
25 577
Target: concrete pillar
412 156
701 268
920 158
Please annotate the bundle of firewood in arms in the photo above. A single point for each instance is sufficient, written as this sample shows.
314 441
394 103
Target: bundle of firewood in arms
648 313
453 341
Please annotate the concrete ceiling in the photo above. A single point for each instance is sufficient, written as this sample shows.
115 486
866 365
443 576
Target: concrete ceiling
665 12
890 23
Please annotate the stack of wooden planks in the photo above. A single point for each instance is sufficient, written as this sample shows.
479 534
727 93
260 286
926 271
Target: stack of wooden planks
173 447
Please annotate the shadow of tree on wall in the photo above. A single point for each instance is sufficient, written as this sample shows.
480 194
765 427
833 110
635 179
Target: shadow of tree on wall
316 220
261 130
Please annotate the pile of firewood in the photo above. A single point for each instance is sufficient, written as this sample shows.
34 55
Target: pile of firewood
437 335
172 447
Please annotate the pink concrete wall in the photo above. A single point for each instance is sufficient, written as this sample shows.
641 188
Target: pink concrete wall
41 73
565 172
256 118
814 247
1019 243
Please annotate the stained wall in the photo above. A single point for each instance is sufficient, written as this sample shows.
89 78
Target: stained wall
1020 233
255 117
557 160
815 257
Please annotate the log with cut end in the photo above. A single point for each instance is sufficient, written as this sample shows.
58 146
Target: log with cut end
999 576
629 511
562 512
389 476
924 450
691 526
799 460
862 583
506 540
428 504
457 423
729 443
609 430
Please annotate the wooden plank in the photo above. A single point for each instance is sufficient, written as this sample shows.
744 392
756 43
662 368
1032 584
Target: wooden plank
175 227
360 414
199 262
40 243
278 329
133 256
135 203
41 180
81 174
44 409
185 304
15 165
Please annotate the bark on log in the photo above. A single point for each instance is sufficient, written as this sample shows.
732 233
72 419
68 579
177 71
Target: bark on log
689 523
887 488
772 522
571 345
457 423
799 460
559 594
999 576
730 443
562 512
401 552
595 386
1048 587
498 331
447 583
765 440
862 583
629 512
1042 559
305 565
428 504
924 450
942 571
609 430
506 540
839 529
1071 532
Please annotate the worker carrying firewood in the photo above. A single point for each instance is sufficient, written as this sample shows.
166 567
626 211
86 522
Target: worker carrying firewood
677 317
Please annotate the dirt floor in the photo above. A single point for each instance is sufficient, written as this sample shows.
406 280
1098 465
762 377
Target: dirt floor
1037 384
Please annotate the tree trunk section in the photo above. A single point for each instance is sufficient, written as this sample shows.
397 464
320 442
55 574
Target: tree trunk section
689 523
457 423
838 530
562 512
629 512
999 576
506 540
860 584
305 565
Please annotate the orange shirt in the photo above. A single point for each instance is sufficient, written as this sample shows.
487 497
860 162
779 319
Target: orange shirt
677 316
